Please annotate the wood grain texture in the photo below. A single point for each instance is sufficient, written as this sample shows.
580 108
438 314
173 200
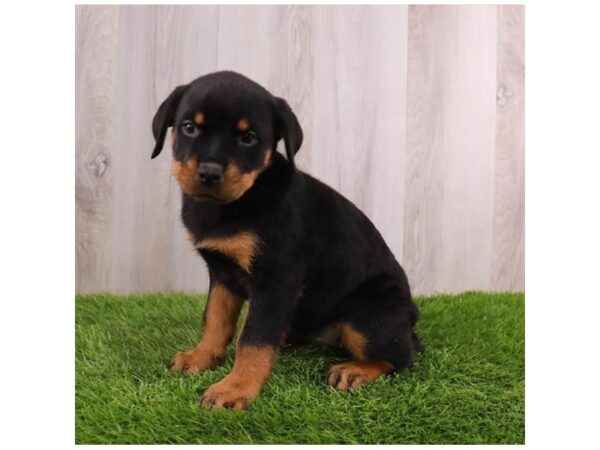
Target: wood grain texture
508 263
292 78
146 243
95 97
140 237
358 127
413 113
186 47
283 64
450 152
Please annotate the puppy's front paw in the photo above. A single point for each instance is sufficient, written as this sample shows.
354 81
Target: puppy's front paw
194 360
228 394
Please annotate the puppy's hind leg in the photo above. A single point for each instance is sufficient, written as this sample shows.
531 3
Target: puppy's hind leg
380 338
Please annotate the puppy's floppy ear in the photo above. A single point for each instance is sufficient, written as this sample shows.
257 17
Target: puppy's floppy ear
288 128
165 117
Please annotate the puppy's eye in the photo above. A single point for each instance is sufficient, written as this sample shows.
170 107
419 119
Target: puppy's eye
189 128
249 138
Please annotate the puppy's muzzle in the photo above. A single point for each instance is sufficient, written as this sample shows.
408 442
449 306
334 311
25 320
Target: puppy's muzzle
210 174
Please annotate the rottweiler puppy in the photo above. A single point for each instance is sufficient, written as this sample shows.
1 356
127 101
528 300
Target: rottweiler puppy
309 262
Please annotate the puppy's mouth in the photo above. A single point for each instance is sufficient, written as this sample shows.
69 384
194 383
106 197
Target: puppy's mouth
207 199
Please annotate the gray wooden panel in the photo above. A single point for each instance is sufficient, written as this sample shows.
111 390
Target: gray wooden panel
399 110
186 48
508 265
450 147
358 123
284 65
151 253
293 77
245 36
95 89
141 231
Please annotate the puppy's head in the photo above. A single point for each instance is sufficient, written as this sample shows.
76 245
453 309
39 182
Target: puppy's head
225 130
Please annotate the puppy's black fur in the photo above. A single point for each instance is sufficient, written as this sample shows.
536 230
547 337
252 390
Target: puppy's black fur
307 259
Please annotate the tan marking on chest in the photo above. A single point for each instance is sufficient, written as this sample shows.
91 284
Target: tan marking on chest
241 247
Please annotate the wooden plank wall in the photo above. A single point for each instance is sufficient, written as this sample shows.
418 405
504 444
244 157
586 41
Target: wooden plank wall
414 113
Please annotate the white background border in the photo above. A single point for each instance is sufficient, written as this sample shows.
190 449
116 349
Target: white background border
562 224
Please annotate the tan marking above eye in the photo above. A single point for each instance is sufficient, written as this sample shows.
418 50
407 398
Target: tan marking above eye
199 118
243 124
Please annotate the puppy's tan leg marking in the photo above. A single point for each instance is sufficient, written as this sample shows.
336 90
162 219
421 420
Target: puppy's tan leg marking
222 312
344 334
252 367
354 341
359 372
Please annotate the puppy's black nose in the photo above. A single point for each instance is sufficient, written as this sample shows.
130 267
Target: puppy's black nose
210 174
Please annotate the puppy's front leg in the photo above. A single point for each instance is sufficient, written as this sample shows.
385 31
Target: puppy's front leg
256 353
252 367
220 320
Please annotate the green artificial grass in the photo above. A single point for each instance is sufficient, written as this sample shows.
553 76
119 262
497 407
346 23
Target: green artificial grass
467 388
